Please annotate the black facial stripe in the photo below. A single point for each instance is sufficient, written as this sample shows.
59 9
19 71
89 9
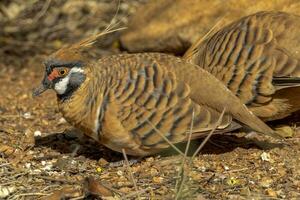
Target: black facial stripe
50 64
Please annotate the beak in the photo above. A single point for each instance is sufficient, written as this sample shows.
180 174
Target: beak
45 85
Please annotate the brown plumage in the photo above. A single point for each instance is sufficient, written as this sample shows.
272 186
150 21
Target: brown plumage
123 100
258 59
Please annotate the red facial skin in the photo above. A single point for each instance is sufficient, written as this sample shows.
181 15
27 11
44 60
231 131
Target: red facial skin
54 74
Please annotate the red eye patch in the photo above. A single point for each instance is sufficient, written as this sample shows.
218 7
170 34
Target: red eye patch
54 74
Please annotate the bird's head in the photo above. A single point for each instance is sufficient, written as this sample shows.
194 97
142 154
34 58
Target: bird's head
64 73
65 69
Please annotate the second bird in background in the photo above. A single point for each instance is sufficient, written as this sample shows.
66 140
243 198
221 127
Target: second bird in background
258 59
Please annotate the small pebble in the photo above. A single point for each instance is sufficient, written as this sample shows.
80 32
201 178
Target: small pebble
120 173
27 115
202 169
226 167
47 167
73 162
37 133
265 157
31 152
62 121
36 171
27 165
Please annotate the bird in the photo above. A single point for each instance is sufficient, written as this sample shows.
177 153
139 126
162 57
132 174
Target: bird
141 102
258 58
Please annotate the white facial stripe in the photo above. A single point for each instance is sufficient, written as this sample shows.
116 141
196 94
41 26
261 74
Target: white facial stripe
61 86
75 69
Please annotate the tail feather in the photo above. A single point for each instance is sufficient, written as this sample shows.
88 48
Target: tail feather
285 82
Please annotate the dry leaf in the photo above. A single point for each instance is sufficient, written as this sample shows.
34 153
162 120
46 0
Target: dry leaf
94 187
66 192
6 150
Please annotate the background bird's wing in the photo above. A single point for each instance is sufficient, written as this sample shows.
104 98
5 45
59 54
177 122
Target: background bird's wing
250 55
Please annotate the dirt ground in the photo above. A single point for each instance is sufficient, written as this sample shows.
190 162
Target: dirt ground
42 157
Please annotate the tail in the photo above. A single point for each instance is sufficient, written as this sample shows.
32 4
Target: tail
285 82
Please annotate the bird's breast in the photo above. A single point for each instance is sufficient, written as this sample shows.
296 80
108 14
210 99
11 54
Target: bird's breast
83 112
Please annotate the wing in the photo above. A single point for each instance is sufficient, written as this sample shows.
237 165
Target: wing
148 99
250 56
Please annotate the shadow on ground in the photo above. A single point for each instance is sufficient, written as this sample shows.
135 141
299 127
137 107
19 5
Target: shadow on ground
76 144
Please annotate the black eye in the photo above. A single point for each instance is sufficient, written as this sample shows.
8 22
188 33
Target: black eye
62 72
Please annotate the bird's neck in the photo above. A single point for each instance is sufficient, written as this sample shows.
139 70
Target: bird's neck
83 108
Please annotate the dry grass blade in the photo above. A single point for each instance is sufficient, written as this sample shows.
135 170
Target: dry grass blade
131 174
165 138
181 172
193 48
92 39
189 136
111 23
209 135
109 29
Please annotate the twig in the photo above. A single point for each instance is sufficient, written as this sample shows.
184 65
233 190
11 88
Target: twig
56 180
131 174
20 174
133 194
10 116
236 170
165 138
9 183
4 164
43 11
29 194
51 186
209 135
39 15
78 198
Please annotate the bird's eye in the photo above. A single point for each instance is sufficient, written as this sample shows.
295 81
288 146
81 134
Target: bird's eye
63 71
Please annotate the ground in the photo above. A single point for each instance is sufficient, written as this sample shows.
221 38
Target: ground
41 153
43 157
